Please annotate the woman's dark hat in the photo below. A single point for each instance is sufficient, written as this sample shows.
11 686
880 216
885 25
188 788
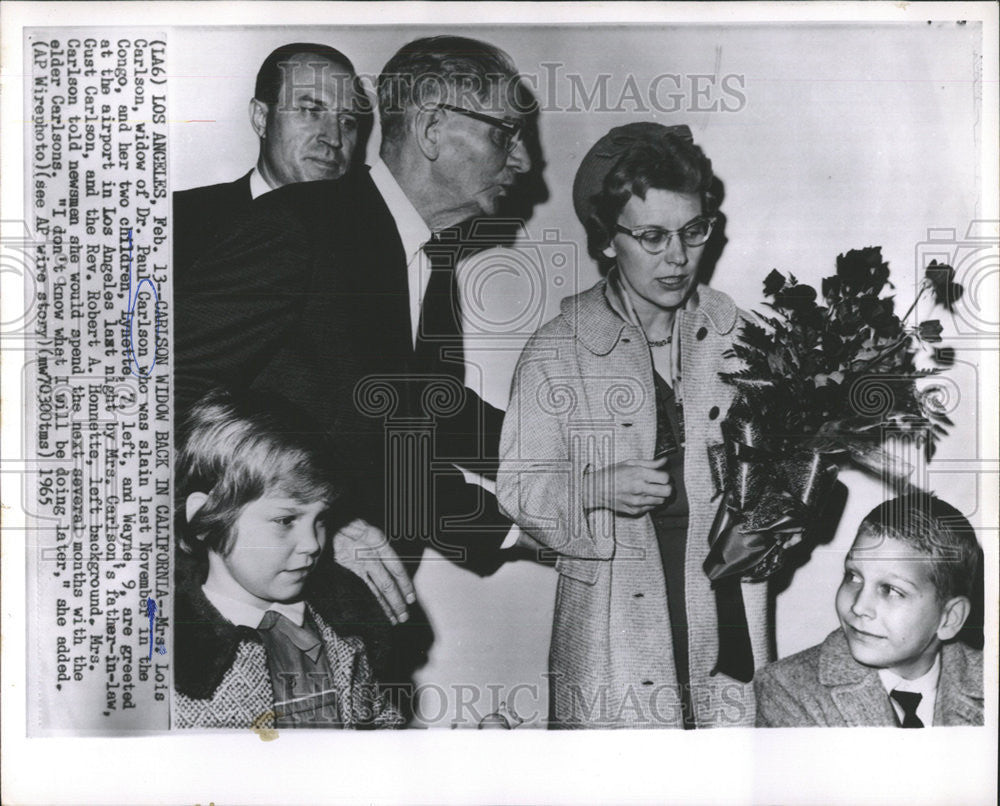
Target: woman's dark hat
606 154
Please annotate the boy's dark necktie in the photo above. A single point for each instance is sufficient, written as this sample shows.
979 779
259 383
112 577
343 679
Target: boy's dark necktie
908 701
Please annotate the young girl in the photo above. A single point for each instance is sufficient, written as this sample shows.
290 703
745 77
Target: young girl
254 491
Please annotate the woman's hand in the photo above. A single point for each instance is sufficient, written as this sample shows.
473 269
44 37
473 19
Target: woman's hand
633 487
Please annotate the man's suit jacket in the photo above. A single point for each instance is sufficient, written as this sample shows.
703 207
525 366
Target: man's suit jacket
307 295
201 214
825 687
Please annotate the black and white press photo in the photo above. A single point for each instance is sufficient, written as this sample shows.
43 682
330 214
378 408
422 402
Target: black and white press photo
628 371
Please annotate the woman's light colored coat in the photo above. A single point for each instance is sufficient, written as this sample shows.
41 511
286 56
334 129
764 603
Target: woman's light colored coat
583 398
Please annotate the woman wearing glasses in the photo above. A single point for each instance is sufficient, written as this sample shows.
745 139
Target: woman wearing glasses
604 453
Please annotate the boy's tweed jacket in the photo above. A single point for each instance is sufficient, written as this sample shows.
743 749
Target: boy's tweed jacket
583 398
222 679
824 686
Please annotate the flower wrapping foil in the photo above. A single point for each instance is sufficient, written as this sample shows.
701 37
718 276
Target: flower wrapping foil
766 499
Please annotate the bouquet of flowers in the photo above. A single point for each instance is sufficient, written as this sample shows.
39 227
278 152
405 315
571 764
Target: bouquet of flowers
822 384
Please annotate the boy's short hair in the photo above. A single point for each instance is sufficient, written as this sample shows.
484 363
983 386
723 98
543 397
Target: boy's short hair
236 449
935 528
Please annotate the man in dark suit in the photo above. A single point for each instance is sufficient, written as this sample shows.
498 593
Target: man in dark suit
343 296
311 117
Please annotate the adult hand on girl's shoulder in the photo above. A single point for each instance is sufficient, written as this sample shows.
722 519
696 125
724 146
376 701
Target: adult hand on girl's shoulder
364 550
633 487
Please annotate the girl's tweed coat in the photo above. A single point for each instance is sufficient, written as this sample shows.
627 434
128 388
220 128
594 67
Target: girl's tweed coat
221 674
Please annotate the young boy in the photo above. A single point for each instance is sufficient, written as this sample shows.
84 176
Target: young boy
254 491
906 592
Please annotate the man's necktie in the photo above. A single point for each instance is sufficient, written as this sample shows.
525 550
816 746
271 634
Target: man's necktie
908 701
440 327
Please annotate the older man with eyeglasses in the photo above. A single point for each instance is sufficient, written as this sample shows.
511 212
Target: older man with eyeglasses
342 296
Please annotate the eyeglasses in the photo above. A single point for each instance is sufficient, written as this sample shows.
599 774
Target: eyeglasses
511 130
655 239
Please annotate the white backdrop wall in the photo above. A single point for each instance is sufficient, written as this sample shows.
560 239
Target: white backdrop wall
827 137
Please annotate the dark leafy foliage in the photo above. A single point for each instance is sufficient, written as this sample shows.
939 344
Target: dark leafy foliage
930 331
841 371
945 356
941 279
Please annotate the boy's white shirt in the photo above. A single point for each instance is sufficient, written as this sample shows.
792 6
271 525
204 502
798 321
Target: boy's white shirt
244 614
926 685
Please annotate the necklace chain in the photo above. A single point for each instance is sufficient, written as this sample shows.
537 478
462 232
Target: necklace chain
659 342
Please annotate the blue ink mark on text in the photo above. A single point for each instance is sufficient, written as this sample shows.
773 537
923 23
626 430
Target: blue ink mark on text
151 615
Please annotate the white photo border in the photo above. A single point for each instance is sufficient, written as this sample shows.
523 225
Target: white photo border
732 766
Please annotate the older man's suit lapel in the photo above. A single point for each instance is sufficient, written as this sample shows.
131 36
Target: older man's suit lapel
369 248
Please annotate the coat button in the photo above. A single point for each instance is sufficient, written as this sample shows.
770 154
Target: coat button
638 595
713 412
626 341
702 332
626 425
